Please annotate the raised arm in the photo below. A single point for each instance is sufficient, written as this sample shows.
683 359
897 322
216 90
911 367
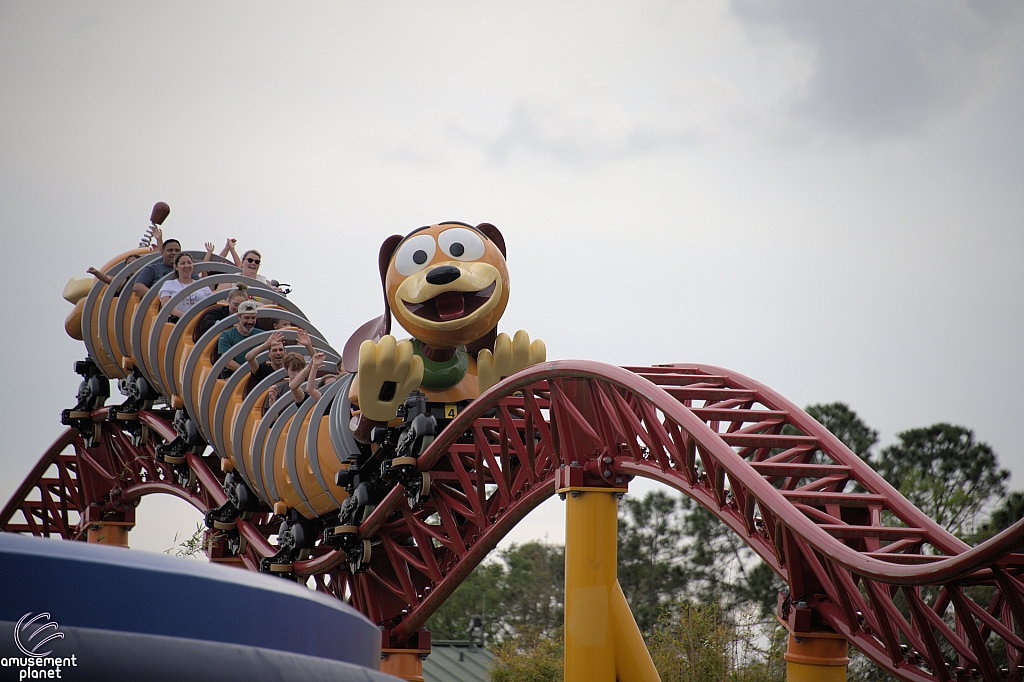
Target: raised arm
229 247
158 239
314 363
250 357
295 384
303 338
101 276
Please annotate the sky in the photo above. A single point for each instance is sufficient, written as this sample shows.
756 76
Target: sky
825 197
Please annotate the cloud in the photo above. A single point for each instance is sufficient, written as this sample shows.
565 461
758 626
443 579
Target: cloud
886 69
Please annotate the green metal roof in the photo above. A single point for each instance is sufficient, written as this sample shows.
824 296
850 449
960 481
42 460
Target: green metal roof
457 661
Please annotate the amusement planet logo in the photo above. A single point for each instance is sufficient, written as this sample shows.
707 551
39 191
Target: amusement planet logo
30 634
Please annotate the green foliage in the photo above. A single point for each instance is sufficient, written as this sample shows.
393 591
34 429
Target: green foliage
521 591
845 425
652 554
192 546
948 475
478 594
760 587
529 656
672 549
532 593
1005 515
698 642
691 644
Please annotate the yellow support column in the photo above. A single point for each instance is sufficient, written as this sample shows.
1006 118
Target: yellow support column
602 642
405 664
816 656
110 533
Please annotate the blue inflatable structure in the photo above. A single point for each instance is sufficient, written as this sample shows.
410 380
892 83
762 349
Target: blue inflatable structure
77 611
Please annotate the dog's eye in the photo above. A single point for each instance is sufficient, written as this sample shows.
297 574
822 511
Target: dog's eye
414 254
461 244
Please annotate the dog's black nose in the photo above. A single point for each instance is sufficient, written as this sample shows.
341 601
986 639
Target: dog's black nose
443 274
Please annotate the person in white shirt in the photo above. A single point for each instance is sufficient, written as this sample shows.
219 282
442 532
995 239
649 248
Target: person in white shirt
183 268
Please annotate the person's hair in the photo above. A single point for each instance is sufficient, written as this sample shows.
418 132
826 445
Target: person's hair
258 255
240 291
169 241
131 257
183 254
294 361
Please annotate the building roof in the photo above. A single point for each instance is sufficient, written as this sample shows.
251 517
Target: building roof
457 661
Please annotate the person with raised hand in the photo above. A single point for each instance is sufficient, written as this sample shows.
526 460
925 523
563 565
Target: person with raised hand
308 375
157 269
275 345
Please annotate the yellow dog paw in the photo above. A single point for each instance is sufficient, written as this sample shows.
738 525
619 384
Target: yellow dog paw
388 371
510 356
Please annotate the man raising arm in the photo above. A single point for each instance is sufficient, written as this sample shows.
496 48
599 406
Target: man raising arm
154 271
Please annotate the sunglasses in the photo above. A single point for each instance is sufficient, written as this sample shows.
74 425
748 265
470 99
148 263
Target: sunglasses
254 261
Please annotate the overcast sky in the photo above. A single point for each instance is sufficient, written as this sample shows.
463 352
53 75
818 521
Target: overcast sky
826 197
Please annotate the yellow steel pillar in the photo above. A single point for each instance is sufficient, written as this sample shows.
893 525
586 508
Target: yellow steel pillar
109 533
405 664
816 656
602 642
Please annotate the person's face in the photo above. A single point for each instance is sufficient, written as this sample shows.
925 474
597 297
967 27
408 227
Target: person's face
185 268
170 251
246 321
233 304
250 264
130 259
276 355
292 372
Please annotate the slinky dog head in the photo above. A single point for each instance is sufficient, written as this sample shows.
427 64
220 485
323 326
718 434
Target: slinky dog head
446 284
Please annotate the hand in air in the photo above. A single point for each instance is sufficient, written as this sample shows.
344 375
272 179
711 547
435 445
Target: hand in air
209 248
388 371
510 356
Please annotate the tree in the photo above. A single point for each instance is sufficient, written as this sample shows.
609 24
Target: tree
691 644
1009 512
528 657
532 593
652 554
696 641
521 591
478 595
943 471
845 425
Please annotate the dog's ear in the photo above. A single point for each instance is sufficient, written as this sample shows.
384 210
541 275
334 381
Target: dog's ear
376 328
387 249
494 235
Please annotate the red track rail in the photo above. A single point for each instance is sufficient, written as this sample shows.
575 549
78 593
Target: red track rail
857 556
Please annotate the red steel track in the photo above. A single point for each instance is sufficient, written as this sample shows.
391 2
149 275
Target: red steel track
857 556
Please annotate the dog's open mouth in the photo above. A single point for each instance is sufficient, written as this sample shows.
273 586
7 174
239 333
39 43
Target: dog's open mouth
451 305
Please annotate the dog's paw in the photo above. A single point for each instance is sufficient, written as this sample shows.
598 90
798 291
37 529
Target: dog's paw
388 371
509 357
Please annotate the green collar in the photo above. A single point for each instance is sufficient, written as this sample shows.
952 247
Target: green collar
441 375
